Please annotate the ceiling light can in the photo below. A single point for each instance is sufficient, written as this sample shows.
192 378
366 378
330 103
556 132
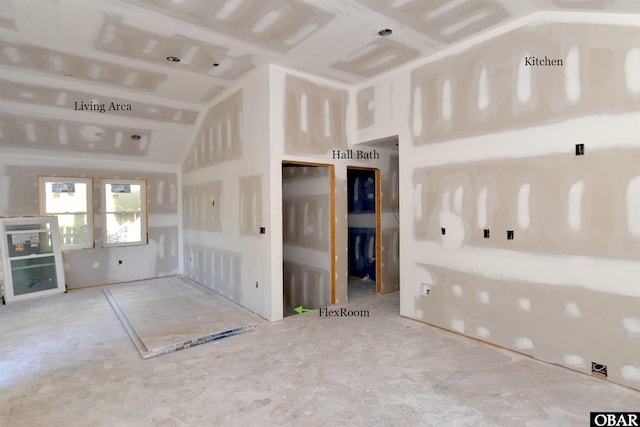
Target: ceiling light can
173 59
385 32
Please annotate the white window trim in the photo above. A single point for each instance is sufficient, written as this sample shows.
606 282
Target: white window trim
144 237
42 208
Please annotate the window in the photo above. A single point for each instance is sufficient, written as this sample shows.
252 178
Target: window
124 212
70 199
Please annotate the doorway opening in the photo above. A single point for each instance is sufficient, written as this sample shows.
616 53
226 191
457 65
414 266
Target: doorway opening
363 222
308 236
374 222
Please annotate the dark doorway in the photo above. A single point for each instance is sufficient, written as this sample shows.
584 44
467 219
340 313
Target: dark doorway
364 228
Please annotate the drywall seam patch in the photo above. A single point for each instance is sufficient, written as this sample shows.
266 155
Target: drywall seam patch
524 217
630 373
417 112
572 310
633 206
483 89
483 332
524 304
523 85
632 70
575 206
446 106
594 130
632 325
572 75
574 360
482 208
612 276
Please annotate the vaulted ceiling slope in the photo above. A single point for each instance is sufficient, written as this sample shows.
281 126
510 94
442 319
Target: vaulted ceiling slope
61 59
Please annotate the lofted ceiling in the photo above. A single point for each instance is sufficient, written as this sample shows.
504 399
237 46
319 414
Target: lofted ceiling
58 55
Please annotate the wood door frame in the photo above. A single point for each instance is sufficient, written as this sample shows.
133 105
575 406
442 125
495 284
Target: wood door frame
332 229
378 182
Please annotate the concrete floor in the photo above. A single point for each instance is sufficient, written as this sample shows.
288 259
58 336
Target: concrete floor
66 360
161 315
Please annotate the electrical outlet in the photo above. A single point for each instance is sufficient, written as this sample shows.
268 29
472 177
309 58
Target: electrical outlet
443 231
509 234
486 233
579 149
425 288
599 369
119 262
256 285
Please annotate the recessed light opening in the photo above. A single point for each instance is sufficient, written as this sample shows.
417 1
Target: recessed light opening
385 32
173 59
135 137
215 64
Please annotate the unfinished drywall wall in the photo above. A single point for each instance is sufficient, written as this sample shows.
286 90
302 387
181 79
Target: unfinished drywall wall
316 117
479 306
470 97
306 212
297 136
226 185
490 140
220 137
215 268
87 267
199 210
366 107
554 204
251 209
390 222
310 122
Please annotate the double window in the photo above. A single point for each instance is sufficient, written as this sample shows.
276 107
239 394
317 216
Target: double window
124 210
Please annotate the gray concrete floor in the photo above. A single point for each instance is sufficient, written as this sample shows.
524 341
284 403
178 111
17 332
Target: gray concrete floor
66 360
164 312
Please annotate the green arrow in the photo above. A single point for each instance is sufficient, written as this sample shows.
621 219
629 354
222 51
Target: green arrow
300 309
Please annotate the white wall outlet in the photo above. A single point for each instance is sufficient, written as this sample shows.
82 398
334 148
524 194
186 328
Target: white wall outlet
425 288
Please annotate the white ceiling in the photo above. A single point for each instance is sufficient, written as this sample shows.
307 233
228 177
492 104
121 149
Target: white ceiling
54 53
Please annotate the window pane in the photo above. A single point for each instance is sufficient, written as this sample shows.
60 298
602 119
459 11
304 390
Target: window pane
74 229
123 197
70 199
33 275
63 197
29 243
124 227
